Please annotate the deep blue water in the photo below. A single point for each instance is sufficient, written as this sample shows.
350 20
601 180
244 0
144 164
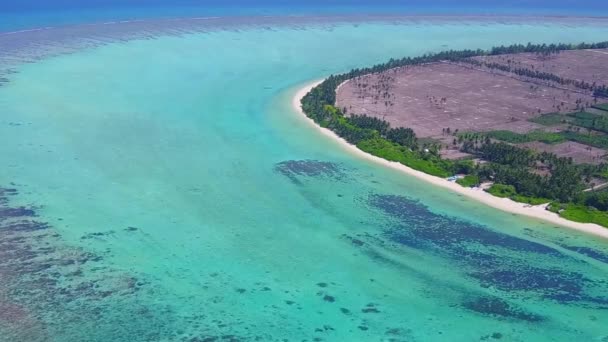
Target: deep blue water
24 14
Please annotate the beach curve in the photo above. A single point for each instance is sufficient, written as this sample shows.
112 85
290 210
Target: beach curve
503 204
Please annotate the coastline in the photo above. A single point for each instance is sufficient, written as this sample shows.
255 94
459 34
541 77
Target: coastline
503 204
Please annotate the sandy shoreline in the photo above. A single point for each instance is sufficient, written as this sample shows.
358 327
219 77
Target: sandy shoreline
503 204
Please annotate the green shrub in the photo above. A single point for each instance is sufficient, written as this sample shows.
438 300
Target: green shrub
508 191
516 138
585 116
530 200
501 190
596 139
550 119
584 214
385 149
599 141
468 181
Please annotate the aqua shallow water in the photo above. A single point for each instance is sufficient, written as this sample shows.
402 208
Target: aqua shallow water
185 200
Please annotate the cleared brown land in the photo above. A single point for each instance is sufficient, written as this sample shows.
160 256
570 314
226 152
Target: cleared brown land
451 152
566 64
433 97
579 153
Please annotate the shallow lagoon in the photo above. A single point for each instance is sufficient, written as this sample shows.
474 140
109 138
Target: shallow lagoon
185 200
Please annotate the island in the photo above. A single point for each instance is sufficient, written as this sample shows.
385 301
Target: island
528 123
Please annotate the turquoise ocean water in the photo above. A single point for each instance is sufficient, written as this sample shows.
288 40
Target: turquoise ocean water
161 188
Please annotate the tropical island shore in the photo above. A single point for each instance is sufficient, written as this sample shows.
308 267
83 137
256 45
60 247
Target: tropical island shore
504 204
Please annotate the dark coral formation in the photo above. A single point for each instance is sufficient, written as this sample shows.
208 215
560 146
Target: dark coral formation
329 298
494 259
298 169
97 235
370 308
45 285
497 307
555 284
589 252
428 229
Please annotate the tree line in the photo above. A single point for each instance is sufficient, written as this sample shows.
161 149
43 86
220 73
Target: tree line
597 90
601 91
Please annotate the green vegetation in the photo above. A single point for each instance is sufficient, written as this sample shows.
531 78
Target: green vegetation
508 191
601 106
530 200
383 148
503 191
516 138
513 166
469 181
512 169
584 214
544 48
402 136
596 199
594 139
590 121
550 119
583 116
582 119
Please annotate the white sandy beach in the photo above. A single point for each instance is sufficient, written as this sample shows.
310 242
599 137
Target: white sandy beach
504 204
